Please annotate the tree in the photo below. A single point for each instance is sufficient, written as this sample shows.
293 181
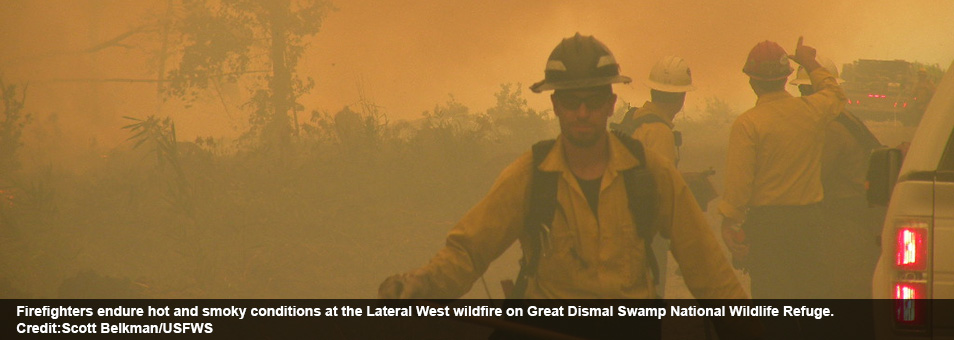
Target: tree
515 120
12 121
225 39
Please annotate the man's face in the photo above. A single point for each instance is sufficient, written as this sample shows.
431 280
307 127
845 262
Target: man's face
583 114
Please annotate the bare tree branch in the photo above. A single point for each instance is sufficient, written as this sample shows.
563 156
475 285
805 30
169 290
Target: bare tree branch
116 41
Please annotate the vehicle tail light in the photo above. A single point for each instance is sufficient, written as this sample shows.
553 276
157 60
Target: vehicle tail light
911 252
908 290
909 304
911 289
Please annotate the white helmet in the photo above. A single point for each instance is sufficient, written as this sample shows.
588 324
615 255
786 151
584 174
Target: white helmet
671 74
802 77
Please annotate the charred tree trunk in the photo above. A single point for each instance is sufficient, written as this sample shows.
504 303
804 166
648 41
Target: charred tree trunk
278 129
163 55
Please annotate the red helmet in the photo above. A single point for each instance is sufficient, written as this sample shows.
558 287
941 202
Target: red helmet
767 61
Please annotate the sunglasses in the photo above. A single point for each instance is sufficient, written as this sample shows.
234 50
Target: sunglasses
593 101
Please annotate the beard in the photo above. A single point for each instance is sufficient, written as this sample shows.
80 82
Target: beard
583 139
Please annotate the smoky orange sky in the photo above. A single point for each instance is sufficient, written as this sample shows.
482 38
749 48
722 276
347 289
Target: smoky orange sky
407 56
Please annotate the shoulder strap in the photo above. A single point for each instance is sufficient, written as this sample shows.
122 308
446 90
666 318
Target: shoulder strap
543 202
641 194
858 130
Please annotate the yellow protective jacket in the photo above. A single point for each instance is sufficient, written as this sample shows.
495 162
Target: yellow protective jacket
656 136
588 257
844 162
775 148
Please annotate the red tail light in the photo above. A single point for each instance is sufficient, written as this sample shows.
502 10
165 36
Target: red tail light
911 253
909 310
908 290
912 283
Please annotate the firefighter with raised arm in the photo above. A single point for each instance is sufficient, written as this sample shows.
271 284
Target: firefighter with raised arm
773 177
583 207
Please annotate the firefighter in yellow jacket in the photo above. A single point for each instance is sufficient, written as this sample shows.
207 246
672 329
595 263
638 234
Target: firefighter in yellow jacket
773 177
591 248
668 81
853 225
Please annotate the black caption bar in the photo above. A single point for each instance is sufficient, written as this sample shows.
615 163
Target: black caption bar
478 319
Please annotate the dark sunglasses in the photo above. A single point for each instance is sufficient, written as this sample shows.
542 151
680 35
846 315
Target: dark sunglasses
593 101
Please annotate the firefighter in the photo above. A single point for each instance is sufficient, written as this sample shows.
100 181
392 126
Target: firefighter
844 166
592 245
668 81
652 126
773 177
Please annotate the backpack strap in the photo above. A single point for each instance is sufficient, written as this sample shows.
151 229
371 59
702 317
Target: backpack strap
642 197
858 130
543 202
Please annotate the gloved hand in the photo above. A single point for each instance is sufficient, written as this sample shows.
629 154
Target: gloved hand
403 286
734 238
805 56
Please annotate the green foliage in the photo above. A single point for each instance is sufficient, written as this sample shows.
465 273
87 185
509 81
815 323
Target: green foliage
223 40
452 128
357 190
514 121
217 43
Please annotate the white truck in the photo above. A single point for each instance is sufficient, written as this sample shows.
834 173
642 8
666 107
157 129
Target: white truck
916 267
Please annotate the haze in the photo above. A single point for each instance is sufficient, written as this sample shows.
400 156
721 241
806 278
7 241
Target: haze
407 56
343 205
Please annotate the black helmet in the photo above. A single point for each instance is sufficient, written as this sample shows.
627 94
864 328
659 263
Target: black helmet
579 62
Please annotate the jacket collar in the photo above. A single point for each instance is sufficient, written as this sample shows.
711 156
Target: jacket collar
772 96
620 159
